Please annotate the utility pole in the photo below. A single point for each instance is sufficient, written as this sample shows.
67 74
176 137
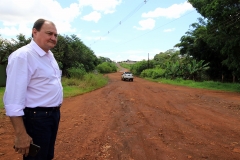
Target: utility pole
148 60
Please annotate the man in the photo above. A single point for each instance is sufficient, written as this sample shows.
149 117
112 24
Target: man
34 92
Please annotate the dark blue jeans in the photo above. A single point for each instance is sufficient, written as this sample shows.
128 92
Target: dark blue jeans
42 126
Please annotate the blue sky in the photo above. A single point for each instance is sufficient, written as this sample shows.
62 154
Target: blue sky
117 29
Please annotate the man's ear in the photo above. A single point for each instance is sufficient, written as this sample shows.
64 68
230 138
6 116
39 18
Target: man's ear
34 31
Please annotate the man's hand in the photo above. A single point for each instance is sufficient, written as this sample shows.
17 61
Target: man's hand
22 144
22 139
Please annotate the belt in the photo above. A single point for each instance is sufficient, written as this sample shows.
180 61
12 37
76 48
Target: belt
42 108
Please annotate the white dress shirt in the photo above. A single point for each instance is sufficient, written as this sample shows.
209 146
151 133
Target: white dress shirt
33 79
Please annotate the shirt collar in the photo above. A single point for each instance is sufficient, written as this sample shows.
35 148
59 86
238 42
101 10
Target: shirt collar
39 50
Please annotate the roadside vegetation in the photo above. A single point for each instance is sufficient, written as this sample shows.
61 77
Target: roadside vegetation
82 70
211 85
124 65
207 56
90 82
158 75
76 86
1 96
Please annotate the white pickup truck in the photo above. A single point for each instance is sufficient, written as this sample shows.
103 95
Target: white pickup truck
127 76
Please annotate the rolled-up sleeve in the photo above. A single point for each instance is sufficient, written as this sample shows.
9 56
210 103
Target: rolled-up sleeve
16 85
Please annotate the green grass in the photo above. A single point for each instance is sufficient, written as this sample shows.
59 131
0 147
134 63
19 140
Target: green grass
2 89
74 87
90 82
124 65
229 87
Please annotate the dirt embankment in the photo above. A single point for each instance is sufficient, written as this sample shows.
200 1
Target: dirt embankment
142 120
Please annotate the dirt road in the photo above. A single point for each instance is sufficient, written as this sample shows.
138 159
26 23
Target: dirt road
142 120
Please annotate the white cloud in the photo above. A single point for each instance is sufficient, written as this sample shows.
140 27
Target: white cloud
146 24
13 31
105 6
19 16
94 16
95 31
174 11
169 30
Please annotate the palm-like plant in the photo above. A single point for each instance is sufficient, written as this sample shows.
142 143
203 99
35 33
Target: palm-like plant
172 69
194 68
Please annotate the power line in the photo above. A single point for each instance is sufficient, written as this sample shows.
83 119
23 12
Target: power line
123 20
227 22
156 28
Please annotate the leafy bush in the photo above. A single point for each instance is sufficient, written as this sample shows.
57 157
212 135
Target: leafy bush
70 82
76 73
146 73
138 67
125 65
106 67
153 73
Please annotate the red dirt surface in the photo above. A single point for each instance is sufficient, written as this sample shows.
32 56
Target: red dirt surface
143 120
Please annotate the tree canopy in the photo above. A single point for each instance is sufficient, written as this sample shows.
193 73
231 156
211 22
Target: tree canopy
216 38
70 52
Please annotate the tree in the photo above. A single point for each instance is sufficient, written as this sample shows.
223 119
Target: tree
223 29
20 41
196 44
104 59
71 52
7 47
5 51
163 58
138 67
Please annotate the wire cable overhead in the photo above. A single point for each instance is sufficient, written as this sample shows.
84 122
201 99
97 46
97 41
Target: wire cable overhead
123 20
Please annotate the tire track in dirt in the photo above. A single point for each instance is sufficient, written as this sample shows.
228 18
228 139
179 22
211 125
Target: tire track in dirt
143 120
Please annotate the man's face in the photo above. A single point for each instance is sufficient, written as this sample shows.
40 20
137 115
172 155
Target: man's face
46 38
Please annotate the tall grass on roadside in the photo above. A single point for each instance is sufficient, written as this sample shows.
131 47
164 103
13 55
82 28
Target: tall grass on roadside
74 86
89 82
77 73
2 89
153 73
231 87
106 67
125 65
